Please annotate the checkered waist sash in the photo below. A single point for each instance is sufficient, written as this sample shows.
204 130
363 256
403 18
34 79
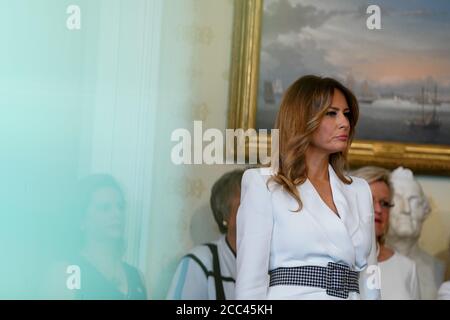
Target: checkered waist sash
338 279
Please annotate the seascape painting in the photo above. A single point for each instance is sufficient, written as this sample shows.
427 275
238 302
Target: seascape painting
400 73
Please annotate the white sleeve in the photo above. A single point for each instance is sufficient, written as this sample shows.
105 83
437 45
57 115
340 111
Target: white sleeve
415 291
444 291
370 278
189 282
254 234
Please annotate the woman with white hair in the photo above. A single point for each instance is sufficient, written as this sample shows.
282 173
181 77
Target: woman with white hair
398 272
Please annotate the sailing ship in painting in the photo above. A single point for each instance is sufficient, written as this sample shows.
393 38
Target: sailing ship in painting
367 95
273 91
427 120
363 93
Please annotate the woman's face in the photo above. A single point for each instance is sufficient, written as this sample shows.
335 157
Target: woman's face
381 196
334 129
105 215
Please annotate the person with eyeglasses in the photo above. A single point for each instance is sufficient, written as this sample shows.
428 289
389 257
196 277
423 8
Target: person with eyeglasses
398 273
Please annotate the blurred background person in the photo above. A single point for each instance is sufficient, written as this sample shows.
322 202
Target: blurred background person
405 225
444 291
97 214
398 273
208 272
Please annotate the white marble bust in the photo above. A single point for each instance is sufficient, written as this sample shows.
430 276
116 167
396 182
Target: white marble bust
410 210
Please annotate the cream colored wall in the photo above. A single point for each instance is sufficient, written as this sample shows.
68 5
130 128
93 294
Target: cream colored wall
435 236
195 63
210 36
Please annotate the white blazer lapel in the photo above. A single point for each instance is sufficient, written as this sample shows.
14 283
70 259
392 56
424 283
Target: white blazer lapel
327 222
345 201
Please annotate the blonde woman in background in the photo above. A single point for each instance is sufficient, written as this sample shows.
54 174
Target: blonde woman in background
398 272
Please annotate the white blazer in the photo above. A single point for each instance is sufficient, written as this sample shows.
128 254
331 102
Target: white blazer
269 235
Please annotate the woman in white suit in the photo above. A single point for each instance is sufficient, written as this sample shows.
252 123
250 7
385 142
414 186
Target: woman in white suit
304 229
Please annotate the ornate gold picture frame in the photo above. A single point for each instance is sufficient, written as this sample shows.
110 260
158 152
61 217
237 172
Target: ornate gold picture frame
421 158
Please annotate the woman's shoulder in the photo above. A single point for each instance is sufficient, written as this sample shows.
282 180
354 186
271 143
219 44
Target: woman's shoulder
359 183
263 173
361 187
256 177
201 252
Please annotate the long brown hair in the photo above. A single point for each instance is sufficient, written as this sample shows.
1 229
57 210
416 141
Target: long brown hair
302 108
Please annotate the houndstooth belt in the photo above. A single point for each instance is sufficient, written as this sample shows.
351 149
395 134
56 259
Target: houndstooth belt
336 278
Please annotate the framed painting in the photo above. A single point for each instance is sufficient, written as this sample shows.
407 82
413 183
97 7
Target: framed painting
400 72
